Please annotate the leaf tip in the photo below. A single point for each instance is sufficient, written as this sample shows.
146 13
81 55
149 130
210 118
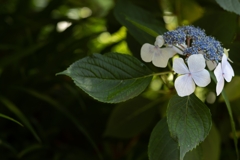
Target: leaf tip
66 72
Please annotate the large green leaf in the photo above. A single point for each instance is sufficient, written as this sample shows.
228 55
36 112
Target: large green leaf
232 122
230 5
211 147
189 121
161 145
232 87
110 78
230 115
223 21
140 23
131 118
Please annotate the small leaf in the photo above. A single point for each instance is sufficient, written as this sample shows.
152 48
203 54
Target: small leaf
230 5
111 78
11 119
131 118
161 145
189 121
140 23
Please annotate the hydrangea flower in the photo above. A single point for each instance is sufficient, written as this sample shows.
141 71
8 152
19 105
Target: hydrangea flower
198 50
195 74
223 71
158 56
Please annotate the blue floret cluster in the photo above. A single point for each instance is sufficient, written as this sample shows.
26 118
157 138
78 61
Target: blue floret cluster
196 41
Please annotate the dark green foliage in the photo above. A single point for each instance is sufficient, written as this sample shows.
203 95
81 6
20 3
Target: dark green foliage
62 122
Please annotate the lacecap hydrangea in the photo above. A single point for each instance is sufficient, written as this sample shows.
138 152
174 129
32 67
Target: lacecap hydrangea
198 50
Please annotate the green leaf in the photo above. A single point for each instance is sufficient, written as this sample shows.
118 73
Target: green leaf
234 56
161 145
68 114
11 119
223 21
211 147
140 23
232 122
195 154
189 121
30 149
231 116
110 78
232 87
20 115
230 5
131 118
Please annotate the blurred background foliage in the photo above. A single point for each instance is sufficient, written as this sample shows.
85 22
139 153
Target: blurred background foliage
40 38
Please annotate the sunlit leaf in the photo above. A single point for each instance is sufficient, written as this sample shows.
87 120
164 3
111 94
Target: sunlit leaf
130 118
230 5
14 109
189 11
140 23
189 121
110 78
161 145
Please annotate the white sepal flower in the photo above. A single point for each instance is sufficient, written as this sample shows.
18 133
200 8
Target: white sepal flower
211 65
223 71
158 56
196 74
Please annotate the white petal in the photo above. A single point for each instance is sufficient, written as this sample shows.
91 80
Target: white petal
179 48
220 85
147 51
211 65
160 59
218 72
179 66
168 52
184 85
227 69
159 41
196 63
201 78
228 72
